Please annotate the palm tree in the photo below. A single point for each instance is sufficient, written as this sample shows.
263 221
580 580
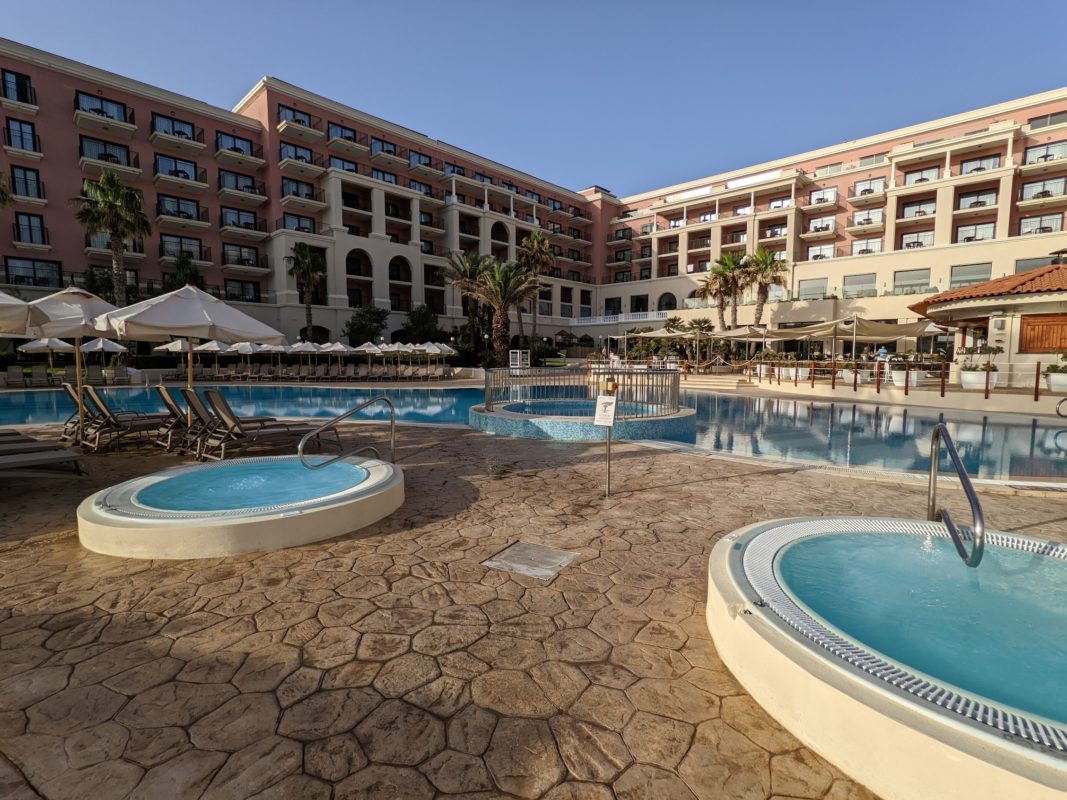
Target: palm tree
763 270
731 271
465 272
535 254
501 287
702 326
713 288
110 206
672 324
307 265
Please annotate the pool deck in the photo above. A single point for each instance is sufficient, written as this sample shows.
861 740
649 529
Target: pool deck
392 664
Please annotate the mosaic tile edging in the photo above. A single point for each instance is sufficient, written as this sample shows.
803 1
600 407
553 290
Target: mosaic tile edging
580 429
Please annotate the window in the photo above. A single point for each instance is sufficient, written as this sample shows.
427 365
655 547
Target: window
177 207
239 255
913 241
26 182
532 195
336 162
287 114
174 246
975 233
419 186
774 205
29 228
17 87
774 232
869 186
482 178
986 197
1046 223
639 303
33 272
874 216
238 218
623 257
416 159
676 223
426 247
22 135
295 222
511 187
865 285
820 196
911 281
172 126
293 188
979 164
820 252
920 208
234 144
1048 119
105 151
101 106
1040 189
235 180
866 247
811 289
382 146
707 216
453 169
574 255
381 175
175 167
873 160
740 211
242 291
1027 264
295 152
554 204
921 175
338 131
968 274
821 224
1045 152
829 169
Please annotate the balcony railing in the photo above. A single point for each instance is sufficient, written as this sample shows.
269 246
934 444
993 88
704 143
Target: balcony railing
231 220
304 194
21 94
254 151
171 210
128 116
170 250
306 121
247 186
198 175
159 125
101 242
234 258
306 227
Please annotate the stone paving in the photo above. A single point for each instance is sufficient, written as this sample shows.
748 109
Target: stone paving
391 664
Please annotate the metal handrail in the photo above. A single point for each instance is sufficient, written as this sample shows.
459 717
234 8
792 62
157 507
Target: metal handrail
347 453
934 514
1059 408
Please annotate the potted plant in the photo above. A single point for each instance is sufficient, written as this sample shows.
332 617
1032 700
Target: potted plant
850 369
973 373
1056 375
785 367
764 370
901 373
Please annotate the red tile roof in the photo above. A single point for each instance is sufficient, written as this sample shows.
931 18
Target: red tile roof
1052 278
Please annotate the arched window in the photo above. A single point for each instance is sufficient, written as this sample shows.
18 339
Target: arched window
667 302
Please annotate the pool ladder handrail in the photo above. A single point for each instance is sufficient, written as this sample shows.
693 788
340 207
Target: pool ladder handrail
941 435
1059 407
341 418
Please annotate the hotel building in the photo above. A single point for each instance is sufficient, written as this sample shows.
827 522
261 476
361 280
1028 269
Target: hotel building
863 226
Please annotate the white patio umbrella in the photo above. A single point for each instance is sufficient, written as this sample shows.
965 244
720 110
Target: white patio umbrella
188 313
175 346
69 312
214 347
102 346
14 314
370 348
48 345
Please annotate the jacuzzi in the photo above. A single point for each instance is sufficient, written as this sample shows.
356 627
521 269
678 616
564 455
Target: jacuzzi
237 506
875 645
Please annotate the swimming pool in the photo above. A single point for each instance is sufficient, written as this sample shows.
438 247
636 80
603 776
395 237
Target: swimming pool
999 447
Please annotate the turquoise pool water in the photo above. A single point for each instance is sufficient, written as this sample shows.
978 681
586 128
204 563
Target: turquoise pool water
999 631
239 485
889 438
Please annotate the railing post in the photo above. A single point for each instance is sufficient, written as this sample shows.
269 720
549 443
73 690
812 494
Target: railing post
778 372
987 371
1037 381
944 373
488 390
855 380
907 377
833 373
796 374
878 377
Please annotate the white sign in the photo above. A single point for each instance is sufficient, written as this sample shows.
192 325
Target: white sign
605 410
519 358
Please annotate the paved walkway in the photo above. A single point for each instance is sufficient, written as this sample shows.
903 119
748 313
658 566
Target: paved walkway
392 664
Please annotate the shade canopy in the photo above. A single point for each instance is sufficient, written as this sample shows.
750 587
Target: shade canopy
188 313
68 312
14 315
662 333
244 348
336 348
47 346
102 346
444 349
367 348
305 347
274 348
177 346
214 346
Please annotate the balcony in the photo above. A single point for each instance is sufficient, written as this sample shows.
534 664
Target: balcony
246 193
975 208
699 244
773 235
824 254
867 196
469 232
353 145
237 156
303 167
178 140
1039 230
916 244
309 130
620 238
21 100
308 227
1049 162
866 224
433 169
182 180
236 227
820 202
27 148
612 319
1043 199
396 157
101 162
815 233
302 200
98 248
174 217
30 238
432 225
734 244
916 219
244 263
96 120
168 254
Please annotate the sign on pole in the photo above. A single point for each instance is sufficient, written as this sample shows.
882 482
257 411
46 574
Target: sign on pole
604 416
519 358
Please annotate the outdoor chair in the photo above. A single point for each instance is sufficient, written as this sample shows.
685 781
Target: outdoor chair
304 372
177 424
363 371
39 375
236 433
94 375
320 372
70 373
120 376
15 376
349 373
334 373
110 428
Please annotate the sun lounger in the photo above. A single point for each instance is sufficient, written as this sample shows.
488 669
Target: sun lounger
94 375
44 464
15 376
39 375
175 426
236 433
109 427
70 373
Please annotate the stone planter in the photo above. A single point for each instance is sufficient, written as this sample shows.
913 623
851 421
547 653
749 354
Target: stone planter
975 379
915 377
1056 382
865 375
763 370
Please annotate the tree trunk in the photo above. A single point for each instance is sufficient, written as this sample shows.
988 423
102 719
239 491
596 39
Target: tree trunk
118 272
307 317
536 303
733 310
518 316
501 334
762 292
720 306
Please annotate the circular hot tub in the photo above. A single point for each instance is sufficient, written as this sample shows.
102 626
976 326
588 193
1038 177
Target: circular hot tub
211 510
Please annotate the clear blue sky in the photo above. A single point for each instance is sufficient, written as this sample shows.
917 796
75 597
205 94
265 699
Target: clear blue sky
629 95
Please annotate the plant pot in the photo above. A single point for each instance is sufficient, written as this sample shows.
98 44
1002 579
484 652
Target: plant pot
763 370
972 379
865 376
1056 381
914 377
785 373
803 373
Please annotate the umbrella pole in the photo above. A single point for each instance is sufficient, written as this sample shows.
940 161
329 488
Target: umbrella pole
189 344
81 403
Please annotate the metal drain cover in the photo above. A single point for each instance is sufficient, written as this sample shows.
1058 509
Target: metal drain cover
532 560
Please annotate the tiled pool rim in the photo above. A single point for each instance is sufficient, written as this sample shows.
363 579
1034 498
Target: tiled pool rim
502 422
